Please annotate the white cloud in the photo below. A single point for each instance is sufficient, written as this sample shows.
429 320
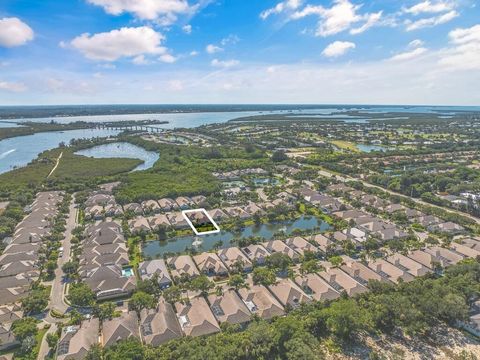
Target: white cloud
14 32
140 60
408 55
372 20
224 63
465 53
416 44
431 21
230 40
187 29
168 58
287 5
212 49
125 42
146 9
430 7
194 53
338 48
12 86
340 17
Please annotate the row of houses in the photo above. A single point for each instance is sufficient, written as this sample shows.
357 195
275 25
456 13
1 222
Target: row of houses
233 259
104 262
20 261
176 219
429 222
200 316
100 205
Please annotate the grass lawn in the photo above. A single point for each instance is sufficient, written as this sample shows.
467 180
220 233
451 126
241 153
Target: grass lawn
345 145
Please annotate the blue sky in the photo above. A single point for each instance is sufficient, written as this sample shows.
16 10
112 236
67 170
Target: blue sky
239 51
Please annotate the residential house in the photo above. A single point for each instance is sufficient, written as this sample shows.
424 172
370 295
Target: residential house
210 264
108 282
7 337
428 220
229 307
445 257
289 293
182 264
217 215
361 273
158 221
324 244
177 220
277 246
447 227
167 204
314 286
261 302
257 254
120 328
134 208
139 225
390 271
237 211
150 206
300 245
196 318
340 281
253 209
157 326
232 256
409 265
184 203
75 341
465 250
200 200
158 268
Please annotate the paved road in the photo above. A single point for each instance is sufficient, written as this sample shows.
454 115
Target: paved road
58 285
418 201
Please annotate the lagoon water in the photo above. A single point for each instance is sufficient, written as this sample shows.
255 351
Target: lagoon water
155 249
20 150
371 148
122 150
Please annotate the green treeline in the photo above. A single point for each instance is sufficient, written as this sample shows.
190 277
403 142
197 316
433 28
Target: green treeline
185 170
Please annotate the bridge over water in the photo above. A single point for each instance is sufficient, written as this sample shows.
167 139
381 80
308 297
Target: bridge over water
145 128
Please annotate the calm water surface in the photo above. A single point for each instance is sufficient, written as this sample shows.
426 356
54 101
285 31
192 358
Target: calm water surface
20 150
370 148
179 244
122 150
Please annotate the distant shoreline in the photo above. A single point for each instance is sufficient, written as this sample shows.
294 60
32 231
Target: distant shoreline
35 112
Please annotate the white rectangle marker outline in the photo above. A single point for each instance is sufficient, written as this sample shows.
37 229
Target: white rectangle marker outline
185 212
